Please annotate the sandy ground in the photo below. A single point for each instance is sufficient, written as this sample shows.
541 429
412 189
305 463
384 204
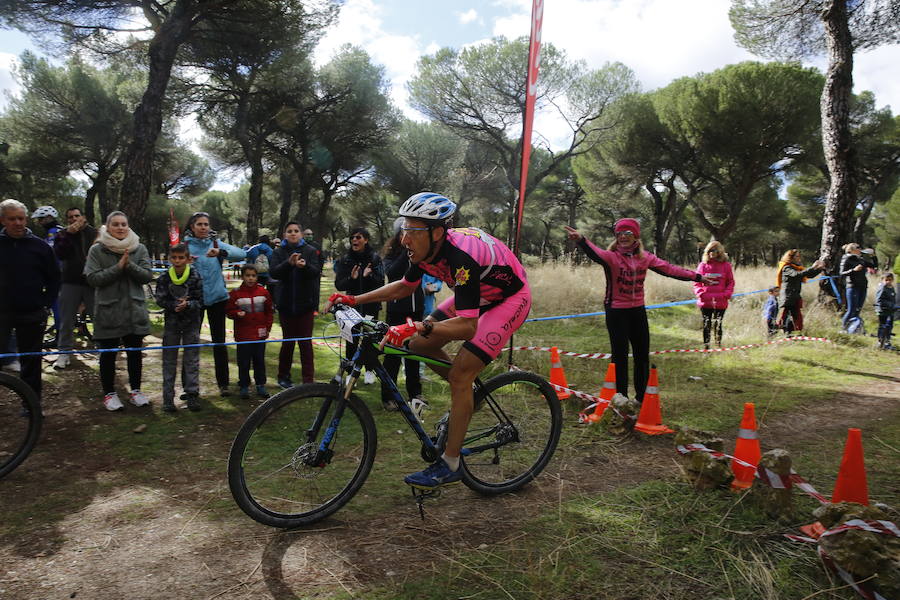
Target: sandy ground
181 537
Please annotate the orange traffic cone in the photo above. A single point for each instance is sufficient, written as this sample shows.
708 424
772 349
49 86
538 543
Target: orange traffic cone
606 393
851 483
746 449
557 375
650 418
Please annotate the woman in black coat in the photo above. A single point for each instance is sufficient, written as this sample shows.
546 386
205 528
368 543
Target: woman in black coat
296 265
853 272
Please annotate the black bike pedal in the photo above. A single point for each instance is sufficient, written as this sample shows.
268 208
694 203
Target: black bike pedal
421 495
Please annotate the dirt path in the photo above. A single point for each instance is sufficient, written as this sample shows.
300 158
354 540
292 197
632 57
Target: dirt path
177 534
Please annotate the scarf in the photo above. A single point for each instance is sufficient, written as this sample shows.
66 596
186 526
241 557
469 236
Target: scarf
631 250
117 246
184 276
781 267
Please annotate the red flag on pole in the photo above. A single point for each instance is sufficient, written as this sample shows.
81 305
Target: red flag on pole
174 233
534 61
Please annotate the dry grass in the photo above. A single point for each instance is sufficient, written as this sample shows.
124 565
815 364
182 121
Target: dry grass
561 289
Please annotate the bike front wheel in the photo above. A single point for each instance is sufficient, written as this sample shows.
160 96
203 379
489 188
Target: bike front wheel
276 470
20 422
512 435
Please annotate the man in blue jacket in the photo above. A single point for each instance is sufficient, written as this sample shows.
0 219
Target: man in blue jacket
29 284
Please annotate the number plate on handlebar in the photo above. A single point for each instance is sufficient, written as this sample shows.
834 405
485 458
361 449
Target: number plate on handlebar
347 319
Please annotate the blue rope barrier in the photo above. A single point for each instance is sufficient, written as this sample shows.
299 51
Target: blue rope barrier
213 344
142 348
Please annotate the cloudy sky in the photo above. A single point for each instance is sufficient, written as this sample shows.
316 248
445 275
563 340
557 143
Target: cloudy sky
660 40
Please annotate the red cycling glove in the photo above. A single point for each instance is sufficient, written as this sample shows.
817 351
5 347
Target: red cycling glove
338 298
398 333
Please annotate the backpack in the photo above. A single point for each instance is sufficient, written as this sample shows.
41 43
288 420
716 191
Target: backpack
262 264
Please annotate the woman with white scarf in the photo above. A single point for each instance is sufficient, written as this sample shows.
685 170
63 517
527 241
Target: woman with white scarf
118 266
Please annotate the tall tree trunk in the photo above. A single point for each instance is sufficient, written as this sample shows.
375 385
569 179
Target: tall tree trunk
286 190
836 141
89 197
254 201
148 114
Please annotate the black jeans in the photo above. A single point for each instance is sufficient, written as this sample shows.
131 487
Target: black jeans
215 315
712 321
629 326
108 361
29 328
254 354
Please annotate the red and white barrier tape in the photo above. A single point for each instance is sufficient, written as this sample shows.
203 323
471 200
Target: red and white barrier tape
767 476
604 355
593 400
879 527
849 578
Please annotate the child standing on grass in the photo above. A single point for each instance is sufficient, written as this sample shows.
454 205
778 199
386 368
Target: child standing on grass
179 292
770 310
713 298
885 303
251 308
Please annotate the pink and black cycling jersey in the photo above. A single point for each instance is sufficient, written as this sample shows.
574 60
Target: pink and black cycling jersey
626 272
482 271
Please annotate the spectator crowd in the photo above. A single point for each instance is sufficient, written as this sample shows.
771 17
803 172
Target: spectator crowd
74 270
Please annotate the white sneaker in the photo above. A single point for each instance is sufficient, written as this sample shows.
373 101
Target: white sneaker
62 361
418 406
13 367
138 398
111 402
369 377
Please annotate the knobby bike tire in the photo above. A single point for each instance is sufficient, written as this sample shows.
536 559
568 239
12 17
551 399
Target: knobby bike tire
20 422
266 472
520 413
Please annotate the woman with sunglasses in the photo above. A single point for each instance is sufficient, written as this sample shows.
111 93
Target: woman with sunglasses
357 272
713 299
625 263
208 254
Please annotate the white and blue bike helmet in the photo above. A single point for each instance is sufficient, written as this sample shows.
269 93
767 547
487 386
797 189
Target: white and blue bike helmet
433 208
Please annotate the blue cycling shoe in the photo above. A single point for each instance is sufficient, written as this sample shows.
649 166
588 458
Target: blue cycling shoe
436 475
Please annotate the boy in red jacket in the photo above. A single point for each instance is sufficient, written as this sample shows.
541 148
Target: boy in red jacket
251 308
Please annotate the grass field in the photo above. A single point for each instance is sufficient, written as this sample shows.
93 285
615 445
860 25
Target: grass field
102 512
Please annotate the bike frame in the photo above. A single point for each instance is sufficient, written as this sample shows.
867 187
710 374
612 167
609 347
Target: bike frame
366 355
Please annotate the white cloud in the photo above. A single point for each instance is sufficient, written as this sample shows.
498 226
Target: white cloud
876 71
467 17
659 39
662 40
7 82
360 24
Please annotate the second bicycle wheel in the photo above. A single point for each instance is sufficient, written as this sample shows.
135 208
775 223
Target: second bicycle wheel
20 422
275 471
513 434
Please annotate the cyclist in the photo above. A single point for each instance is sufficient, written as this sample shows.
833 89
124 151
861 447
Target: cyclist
491 299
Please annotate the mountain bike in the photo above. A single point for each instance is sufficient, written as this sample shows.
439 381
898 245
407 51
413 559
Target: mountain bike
305 452
20 422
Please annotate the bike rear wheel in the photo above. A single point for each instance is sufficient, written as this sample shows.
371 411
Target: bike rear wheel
20 422
271 468
513 435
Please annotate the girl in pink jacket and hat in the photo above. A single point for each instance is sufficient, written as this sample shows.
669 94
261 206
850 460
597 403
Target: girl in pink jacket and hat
626 263
713 298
